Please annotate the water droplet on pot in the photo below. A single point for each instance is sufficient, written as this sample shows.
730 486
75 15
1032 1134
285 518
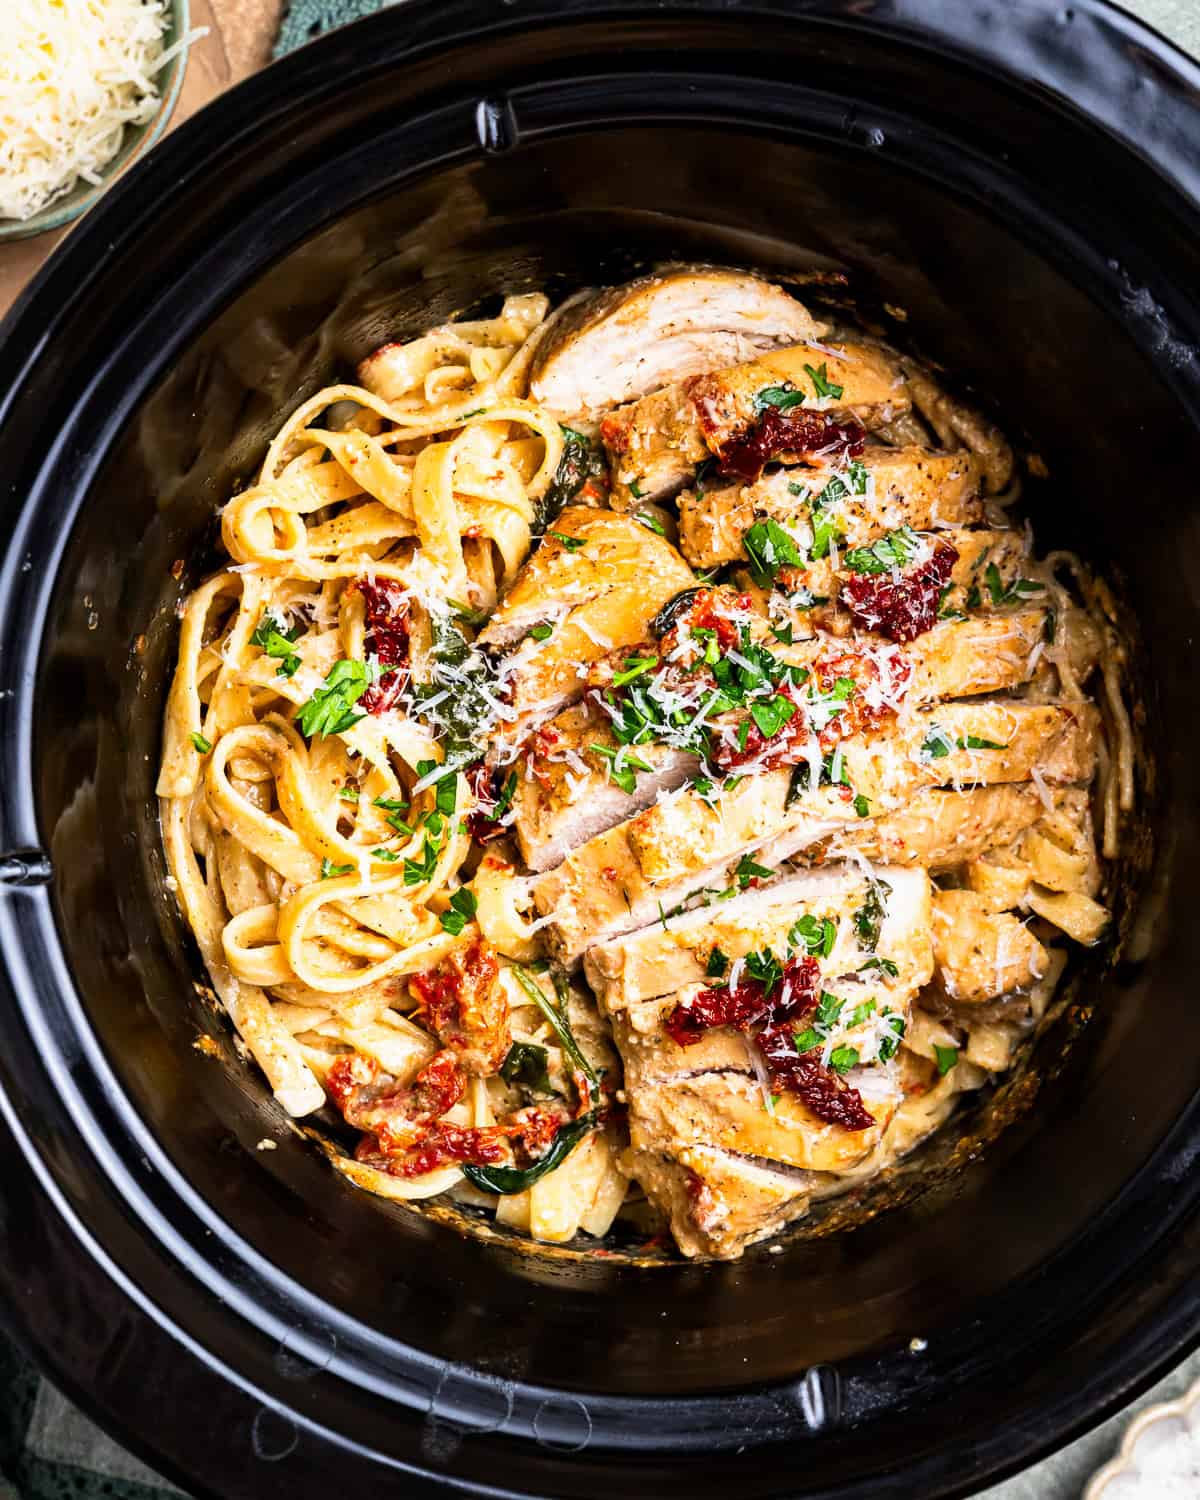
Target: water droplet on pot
495 125
820 1397
273 1436
564 1424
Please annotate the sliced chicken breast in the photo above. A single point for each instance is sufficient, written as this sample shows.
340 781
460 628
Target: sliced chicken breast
600 891
718 1202
899 487
596 581
655 444
570 783
936 748
942 829
678 950
629 340
726 1110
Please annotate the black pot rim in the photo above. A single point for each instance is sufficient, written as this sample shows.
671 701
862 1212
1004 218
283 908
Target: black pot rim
1121 47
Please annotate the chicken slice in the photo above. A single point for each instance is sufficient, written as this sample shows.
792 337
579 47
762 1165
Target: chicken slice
656 443
726 1110
626 341
719 1202
567 793
597 580
676 951
981 954
981 654
903 487
619 880
599 890
942 829
578 781
683 832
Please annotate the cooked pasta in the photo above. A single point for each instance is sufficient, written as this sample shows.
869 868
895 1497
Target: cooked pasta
630 751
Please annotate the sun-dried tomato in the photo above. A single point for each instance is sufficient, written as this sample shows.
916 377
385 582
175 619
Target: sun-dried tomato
903 605
485 784
825 1092
397 1116
798 433
783 1008
745 1004
444 1143
387 640
465 1006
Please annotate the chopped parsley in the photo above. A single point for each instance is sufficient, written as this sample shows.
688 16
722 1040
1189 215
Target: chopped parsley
651 523
816 934
393 807
862 806
889 1044
936 745
331 708
571 543
463 906
828 1011
769 547
348 793
388 856
635 489
507 792
466 614
1020 588
766 969
781 397
824 527
822 383
622 773
869 918
859 476
418 871
947 1057
747 871
895 549
634 667
542 632
945 611
270 635
717 965
772 715
883 965
199 743
329 870
833 773
842 1059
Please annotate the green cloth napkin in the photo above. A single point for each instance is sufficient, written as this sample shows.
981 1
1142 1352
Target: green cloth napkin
51 1451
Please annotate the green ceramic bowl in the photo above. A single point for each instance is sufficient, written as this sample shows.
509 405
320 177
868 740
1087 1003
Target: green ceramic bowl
136 141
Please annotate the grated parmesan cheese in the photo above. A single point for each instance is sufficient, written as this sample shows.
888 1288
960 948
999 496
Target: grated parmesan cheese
73 74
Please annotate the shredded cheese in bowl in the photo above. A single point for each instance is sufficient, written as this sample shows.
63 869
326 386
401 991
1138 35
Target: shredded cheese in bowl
73 75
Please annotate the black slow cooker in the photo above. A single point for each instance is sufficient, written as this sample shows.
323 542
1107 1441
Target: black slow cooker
1009 187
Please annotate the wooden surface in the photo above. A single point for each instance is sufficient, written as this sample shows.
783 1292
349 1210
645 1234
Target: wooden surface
240 36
